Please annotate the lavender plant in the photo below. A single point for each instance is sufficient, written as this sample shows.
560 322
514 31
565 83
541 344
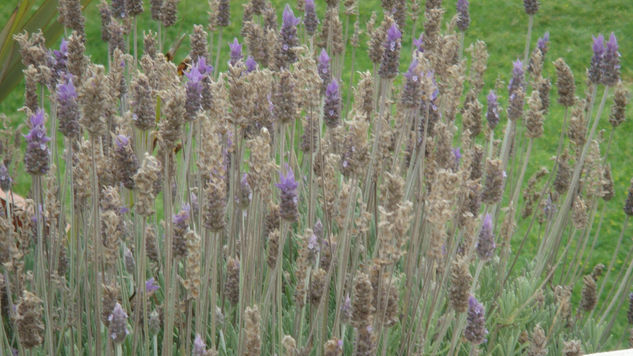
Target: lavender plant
398 223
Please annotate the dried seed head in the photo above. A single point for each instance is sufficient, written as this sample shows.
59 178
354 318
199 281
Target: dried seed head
589 298
534 118
28 319
333 347
366 342
77 61
169 12
538 342
73 17
565 83
232 282
144 181
134 7
495 178
362 302
198 41
618 110
531 6
215 207
171 126
317 283
572 348
142 104
461 280
156 9
95 101
252 333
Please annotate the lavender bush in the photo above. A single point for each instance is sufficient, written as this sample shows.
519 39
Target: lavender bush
256 211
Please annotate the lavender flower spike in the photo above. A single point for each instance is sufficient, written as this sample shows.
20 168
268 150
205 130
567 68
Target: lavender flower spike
493 110
236 52
151 286
517 76
611 62
391 55
198 72
463 19
310 20
67 108
37 152
199 346
250 63
486 243
418 43
324 68
288 189
288 39
118 324
475 331
393 35
332 105
542 43
595 70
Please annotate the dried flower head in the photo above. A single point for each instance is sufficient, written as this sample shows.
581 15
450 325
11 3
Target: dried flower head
618 110
531 6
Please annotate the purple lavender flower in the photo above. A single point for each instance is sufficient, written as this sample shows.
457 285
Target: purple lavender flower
196 75
118 324
250 63
411 90
310 19
151 286
493 110
542 43
393 36
324 64
323 67
332 105
68 108
182 218
517 77
60 59
486 243
288 38
5 178
37 152
463 19
595 70
391 55
199 347
418 43
457 156
611 62
236 52
475 331
288 189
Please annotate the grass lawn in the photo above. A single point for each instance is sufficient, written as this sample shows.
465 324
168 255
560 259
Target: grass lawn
502 24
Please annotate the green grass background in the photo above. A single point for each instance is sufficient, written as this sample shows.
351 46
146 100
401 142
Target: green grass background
502 25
